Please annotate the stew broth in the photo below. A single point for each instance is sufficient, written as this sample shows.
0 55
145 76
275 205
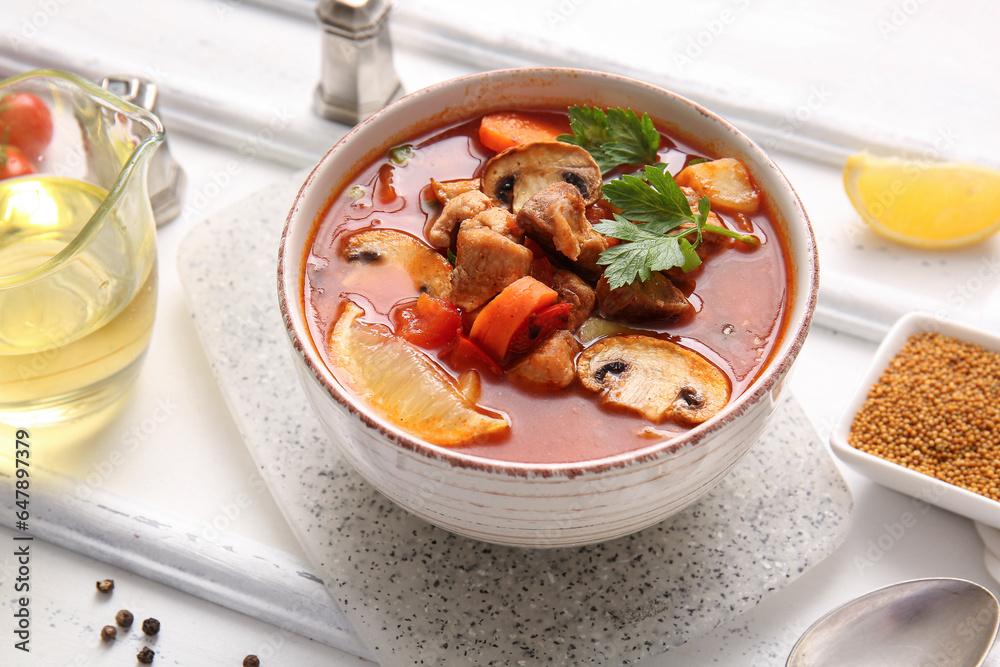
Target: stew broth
740 299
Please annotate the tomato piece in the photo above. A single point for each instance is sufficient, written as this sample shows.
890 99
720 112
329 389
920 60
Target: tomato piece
429 322
25 122
541 266
541 270
465 355
502 317
14 163
540 325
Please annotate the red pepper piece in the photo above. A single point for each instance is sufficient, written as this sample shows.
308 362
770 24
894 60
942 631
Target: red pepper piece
540 325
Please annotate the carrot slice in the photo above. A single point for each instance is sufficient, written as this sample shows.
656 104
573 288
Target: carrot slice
508 312
501 130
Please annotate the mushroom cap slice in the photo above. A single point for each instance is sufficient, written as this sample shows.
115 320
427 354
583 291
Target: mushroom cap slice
654 378
512 176
429 270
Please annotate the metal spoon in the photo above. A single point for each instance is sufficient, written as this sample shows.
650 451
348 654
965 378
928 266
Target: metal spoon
919 622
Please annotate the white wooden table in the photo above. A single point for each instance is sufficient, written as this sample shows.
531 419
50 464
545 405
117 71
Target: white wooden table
175 449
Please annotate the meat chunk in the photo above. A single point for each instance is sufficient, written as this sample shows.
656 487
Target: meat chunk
445 191
460 208
710 241
487 259
500 221
555 219
551 365
576 292
653 299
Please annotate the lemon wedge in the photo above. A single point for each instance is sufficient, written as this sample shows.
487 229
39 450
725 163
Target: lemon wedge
924 204
405 386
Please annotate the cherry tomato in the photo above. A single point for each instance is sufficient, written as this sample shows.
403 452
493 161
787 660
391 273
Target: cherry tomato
14 163
25 122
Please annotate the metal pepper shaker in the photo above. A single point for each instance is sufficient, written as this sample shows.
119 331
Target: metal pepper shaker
358 76
166 179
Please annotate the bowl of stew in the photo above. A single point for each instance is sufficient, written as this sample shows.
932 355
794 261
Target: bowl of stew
545 307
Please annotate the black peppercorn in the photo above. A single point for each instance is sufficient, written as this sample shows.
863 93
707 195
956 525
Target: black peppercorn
106 586
124 618
108 633
251 661
145 656
150 626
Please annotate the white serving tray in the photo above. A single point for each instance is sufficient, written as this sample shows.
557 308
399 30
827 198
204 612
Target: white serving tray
409 588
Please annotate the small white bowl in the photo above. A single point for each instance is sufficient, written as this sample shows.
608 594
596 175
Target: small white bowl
892 475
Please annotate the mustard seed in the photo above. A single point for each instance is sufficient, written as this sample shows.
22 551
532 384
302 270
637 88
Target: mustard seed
106 585
145 656
108 633
251 661
124 618
934 410
150 626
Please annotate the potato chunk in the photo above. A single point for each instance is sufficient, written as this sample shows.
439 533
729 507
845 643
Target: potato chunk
726 182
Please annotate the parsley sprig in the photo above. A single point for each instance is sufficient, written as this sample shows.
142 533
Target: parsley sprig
614 137
669 232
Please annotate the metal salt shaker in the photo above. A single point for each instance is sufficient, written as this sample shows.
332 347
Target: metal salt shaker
165 179
357 77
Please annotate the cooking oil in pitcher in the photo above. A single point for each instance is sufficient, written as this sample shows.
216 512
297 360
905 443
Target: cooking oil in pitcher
71 340
77 259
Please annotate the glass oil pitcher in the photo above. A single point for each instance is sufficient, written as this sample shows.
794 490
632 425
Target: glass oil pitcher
77 254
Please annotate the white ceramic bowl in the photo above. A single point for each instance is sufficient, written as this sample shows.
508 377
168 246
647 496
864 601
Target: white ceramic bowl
892 475
542 505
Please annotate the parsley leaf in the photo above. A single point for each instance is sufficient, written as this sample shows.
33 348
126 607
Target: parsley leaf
614 137
653 198
670 232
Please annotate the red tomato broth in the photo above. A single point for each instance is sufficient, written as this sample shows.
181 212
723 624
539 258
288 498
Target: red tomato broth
740 297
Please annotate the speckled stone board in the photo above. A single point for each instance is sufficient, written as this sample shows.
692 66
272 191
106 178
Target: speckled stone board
419 595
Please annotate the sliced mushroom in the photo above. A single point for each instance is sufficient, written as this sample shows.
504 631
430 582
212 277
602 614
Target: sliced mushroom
654 378
429 270
654 299
726 182
514 175
462 207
